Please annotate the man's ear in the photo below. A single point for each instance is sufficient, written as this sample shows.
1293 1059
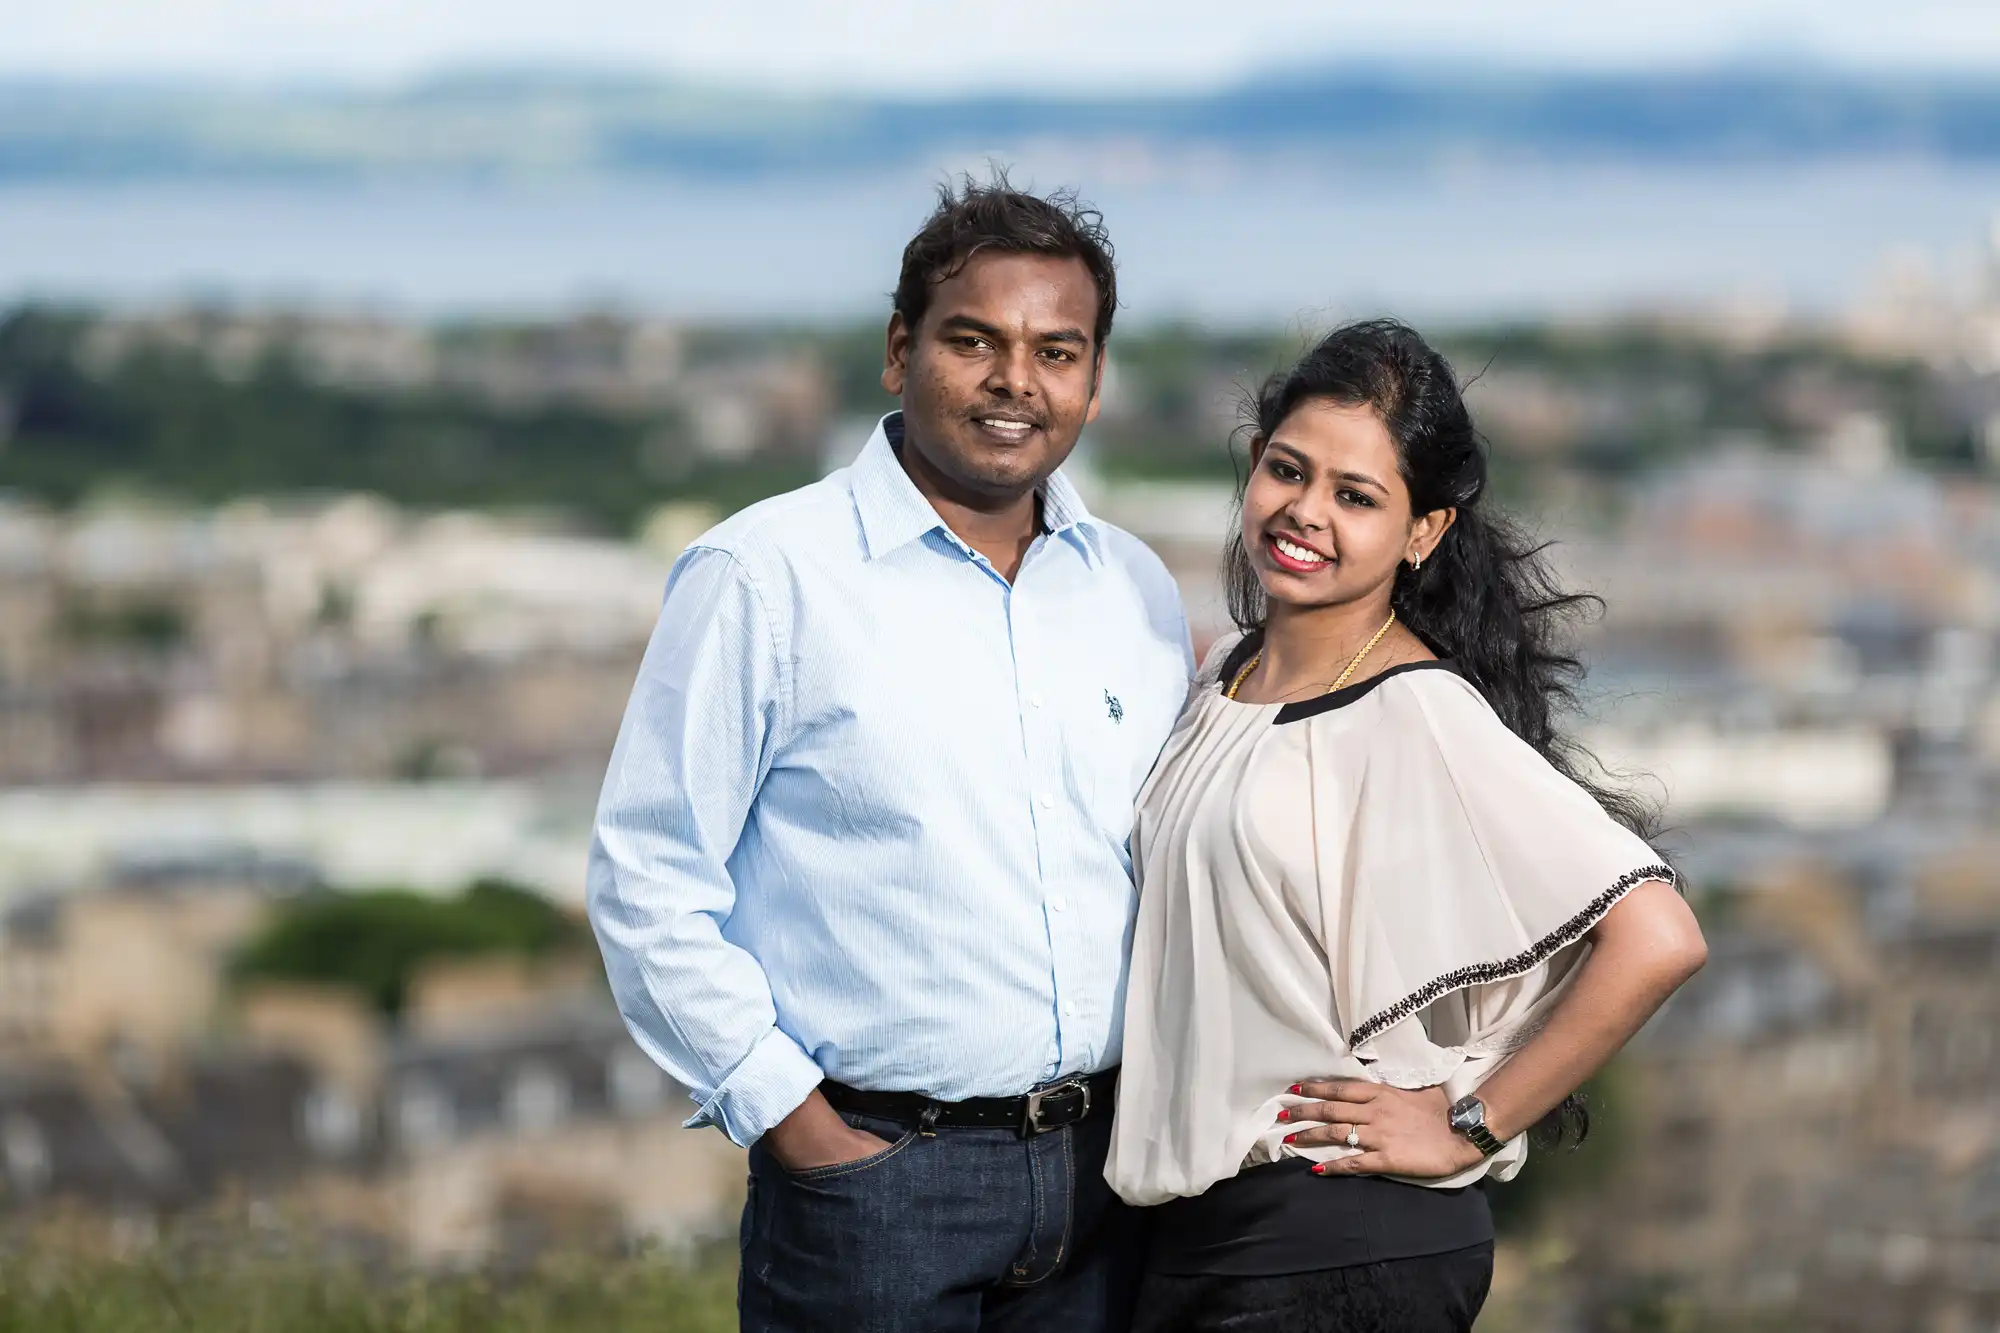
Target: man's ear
896 355
1096 386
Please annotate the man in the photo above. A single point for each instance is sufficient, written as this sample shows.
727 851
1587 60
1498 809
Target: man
861 874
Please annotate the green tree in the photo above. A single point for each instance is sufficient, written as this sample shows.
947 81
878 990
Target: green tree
373 942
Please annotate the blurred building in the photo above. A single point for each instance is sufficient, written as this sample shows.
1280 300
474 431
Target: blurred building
346 640
1817 1117
1809 637
130 973
506 1112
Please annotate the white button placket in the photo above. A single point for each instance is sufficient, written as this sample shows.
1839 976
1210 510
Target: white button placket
1041 738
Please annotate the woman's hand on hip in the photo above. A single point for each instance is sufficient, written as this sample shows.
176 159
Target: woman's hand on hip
1399 1132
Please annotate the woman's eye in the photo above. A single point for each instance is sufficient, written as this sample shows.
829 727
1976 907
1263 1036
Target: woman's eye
1284 472
1357 498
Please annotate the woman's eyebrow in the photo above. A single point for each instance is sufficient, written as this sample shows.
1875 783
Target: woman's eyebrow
1299 456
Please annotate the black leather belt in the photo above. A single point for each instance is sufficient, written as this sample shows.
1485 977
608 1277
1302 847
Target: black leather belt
1064 1102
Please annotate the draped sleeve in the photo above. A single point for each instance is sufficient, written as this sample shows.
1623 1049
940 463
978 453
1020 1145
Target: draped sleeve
1459 870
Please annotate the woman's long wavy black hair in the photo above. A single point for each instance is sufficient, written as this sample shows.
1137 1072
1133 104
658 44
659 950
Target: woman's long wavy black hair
1485 598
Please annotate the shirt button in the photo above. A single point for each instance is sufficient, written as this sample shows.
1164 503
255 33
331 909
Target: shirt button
1058 904
1034 701
1069 1010
1048 801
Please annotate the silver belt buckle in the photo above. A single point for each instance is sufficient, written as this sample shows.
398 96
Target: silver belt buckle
1031 1123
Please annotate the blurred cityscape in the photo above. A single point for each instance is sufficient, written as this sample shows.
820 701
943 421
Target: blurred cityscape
316 628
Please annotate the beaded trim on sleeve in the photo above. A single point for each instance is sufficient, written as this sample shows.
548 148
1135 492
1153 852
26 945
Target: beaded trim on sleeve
1482 974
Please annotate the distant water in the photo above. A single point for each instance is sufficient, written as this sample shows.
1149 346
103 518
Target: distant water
1242 245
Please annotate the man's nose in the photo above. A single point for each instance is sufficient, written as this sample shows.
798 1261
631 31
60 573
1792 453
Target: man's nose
1012 375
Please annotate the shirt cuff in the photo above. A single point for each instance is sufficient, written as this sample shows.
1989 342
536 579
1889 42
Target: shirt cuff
766 1086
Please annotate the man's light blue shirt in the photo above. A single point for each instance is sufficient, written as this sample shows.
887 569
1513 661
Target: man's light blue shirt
868 813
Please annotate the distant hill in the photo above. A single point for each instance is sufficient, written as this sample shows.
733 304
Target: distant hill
530 124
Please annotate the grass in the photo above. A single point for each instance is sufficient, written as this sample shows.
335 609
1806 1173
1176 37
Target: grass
42 1293
248 1286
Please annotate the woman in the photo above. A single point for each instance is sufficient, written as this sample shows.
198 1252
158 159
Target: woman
1373 882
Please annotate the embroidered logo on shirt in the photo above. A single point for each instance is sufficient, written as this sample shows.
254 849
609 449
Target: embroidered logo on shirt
1113 707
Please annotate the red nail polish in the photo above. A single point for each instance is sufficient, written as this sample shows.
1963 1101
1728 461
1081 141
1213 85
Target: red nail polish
1319 1168
1290 1137
1294 1090
1284 1115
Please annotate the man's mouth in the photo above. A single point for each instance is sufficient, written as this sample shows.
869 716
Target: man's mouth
1289 553
1011 429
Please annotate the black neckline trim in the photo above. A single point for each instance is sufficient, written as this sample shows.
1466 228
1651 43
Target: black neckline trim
1346 695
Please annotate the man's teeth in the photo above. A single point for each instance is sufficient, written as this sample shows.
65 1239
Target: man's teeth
1294 551
1013 427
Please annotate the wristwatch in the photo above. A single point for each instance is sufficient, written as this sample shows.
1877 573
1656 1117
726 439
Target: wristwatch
1468 1118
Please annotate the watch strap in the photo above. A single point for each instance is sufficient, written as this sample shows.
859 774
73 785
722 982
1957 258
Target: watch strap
1482 1138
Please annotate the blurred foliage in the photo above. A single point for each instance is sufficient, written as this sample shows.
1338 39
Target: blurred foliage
1609 400
1613 400
1555 1173
373 942
1178 394
248 1292
146 624
162 422
1649 392
1657 1307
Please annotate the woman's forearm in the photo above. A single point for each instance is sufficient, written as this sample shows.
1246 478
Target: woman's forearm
1641 952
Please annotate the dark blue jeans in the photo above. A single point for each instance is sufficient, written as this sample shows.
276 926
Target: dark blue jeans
952 1232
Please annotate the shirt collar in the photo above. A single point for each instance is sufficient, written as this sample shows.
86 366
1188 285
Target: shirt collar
894 512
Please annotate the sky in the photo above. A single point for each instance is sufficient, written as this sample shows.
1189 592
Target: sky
923 46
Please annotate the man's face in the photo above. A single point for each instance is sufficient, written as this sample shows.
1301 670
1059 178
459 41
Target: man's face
1000 375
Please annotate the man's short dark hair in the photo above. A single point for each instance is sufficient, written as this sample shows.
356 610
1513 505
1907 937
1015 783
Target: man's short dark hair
972 218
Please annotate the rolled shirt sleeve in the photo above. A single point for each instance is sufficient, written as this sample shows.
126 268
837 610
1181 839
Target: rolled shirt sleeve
706 715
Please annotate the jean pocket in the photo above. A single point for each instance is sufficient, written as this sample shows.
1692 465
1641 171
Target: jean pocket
840 1170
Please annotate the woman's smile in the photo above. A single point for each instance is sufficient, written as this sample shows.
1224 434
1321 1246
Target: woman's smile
1293 555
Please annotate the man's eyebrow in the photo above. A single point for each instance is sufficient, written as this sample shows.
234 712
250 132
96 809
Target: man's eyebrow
968 324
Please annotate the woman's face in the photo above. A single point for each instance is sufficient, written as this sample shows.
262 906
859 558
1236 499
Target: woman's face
1326 515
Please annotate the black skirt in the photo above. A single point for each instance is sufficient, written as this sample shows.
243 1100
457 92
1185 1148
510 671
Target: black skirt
1273 1220
1432 1293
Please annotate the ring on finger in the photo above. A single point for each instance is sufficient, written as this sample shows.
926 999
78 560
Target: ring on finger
1354 1136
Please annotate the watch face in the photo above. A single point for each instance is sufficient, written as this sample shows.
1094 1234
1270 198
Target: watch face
1468 1113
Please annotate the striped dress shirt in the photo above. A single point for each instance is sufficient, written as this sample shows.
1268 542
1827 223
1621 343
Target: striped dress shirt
867 817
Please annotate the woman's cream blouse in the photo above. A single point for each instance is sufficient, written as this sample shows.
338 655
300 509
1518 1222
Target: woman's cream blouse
1383 883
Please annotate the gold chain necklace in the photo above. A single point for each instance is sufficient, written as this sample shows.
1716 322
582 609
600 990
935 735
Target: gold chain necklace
1366 648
